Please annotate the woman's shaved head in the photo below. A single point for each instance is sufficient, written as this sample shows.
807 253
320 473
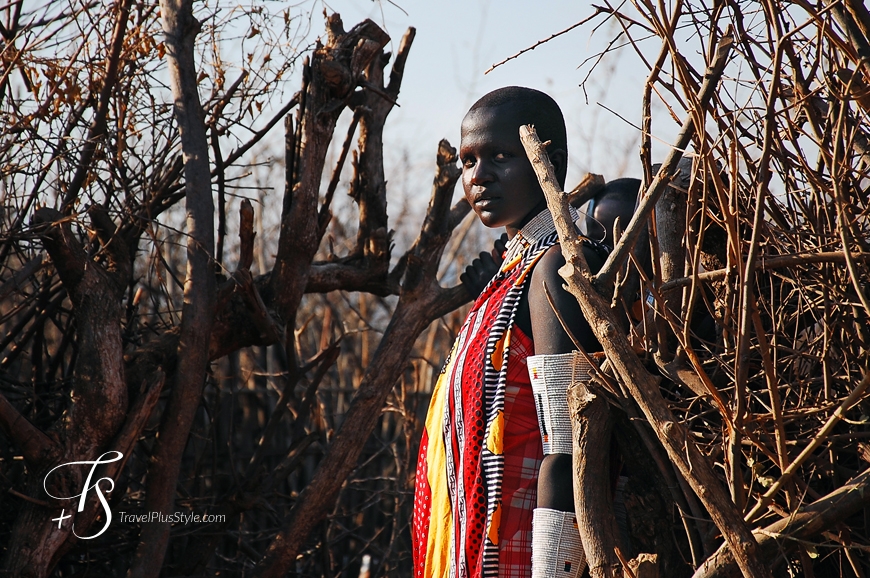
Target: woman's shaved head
517 105
530 106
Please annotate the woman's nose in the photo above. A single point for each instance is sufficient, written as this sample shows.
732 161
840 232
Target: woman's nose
481 173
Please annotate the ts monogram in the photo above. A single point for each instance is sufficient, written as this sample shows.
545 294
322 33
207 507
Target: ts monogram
88 486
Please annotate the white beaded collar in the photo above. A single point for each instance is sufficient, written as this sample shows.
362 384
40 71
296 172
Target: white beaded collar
539 227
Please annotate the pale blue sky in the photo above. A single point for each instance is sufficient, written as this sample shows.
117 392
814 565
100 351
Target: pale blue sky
458 40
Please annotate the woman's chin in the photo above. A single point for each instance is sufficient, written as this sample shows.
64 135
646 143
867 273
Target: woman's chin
489 220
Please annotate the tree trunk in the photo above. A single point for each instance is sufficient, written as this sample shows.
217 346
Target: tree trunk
421 302
591 426
197 314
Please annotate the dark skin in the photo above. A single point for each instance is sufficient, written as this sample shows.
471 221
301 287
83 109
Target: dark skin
503 190
482 269
607 210
617 200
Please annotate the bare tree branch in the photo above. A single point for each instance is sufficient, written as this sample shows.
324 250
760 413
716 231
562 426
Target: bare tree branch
35 446
420 298
98 126
805 524
181 29
337 68
605 277
634 376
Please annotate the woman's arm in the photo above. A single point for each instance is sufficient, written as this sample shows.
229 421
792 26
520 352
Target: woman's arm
555 477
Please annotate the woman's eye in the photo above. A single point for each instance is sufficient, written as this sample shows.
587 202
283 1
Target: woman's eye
468 162
501 156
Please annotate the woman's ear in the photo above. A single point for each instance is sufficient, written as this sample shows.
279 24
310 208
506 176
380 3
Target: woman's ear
559 158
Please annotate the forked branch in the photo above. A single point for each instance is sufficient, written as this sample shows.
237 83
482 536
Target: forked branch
420 302
605 278
632 374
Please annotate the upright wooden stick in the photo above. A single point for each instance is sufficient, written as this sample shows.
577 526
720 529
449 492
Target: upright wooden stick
632 374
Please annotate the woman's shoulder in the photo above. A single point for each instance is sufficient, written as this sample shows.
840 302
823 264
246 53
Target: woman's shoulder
553 259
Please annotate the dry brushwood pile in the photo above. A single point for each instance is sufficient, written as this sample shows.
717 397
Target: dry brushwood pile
268 376
750 367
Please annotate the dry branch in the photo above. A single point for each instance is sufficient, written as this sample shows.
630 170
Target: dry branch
335 70
818 440
97 129
766 264
591 425
197 314
605 278
805 524
124 442
369 185
589 186
420 302
632 374
99 391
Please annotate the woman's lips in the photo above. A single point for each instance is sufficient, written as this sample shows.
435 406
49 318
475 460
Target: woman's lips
486 202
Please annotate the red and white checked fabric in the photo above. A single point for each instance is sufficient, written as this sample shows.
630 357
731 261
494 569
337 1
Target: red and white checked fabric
523 453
